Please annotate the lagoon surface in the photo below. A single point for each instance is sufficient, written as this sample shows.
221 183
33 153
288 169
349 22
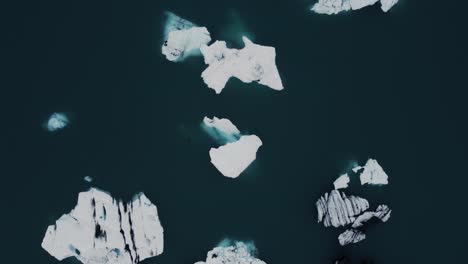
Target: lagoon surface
358 85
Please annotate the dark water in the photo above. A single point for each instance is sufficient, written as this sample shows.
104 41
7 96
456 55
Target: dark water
358 85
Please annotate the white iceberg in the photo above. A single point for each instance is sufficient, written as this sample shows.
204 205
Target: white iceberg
373 174
56 121
222 130
252 63
101 230
332 7
342 182
351 236
183 38
233 158
239 253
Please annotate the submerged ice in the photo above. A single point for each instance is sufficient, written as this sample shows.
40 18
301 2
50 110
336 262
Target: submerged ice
252 63
331 7
102 230
237 151
56 121
182 38
239 253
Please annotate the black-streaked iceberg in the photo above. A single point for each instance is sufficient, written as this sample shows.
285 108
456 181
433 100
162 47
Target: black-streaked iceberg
337 209
332 7
182 38
103 230
57 121
252 63
351 236
238 151
382 212
239 253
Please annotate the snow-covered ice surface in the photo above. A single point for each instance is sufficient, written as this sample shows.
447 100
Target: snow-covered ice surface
341 182
233 158
373 174
56 121
252 63
337 209
102 230
351 236
239 253
222 130
332 7
182 38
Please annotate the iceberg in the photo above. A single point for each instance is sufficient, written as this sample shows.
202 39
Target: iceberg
382 212
222 130
341 182
233 158
56 121
338 210
101 230
373 174
351 236
252 63
88 178
183 38
239 253
333 7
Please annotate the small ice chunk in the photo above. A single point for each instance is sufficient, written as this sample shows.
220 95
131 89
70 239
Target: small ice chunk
88 178
341 182
252 63
222 130
356 169
233 158
337 209
239 253
182 38
387 4
373 174
57 121
102 230
351 236
382 212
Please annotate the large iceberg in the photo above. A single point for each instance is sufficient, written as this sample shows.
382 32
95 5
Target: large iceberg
222 130
351 236
252 63
56 121
237 151
101 230
382 212
337 209
372 173
332 7
233 158
239 253
183 38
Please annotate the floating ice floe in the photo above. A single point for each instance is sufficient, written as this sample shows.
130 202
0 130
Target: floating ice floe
337 209
373 173
102 230
382 212
88 178
351 236
238 152
332 7
239 253
182 38
341 182
56 121
252 63
222 130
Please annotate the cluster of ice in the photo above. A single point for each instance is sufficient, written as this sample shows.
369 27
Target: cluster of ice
56 121
101 230
252 63
331 7
338 210
371 173
342 182
351 236
239 151
183 38
239 253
